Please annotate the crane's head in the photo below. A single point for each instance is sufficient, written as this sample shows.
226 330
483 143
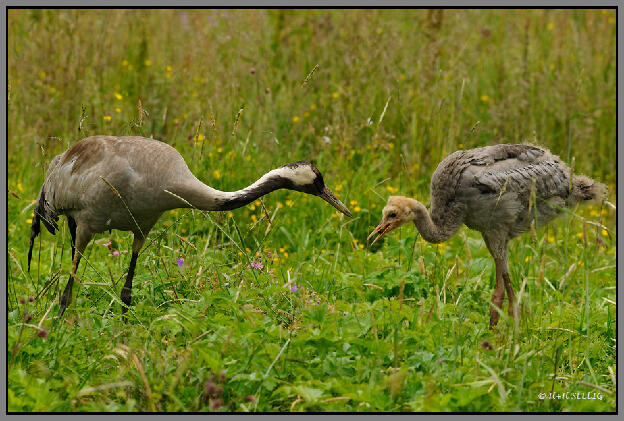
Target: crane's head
396 212
304 177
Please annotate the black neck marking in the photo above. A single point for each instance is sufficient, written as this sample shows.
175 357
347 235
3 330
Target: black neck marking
250 194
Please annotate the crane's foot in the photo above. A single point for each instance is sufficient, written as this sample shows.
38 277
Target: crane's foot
65 301
494 316
513 310
124 315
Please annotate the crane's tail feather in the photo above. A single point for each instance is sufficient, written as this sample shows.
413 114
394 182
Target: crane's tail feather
586 189
43 213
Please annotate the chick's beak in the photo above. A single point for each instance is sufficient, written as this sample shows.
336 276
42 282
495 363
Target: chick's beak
329 197
382 229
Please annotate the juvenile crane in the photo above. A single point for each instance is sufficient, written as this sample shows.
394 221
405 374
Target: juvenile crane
127 183
497 190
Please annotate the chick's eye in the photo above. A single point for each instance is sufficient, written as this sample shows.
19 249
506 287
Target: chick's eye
393 215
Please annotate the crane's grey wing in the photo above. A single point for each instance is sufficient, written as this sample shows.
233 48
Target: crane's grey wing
515 168
497 187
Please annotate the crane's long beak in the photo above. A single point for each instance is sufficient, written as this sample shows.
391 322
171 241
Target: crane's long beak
329 197
382 229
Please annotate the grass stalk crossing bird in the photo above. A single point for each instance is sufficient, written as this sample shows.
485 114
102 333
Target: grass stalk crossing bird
498 190
127 183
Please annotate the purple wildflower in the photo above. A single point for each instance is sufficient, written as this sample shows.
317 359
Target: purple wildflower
256 265
115 253
293 288
107 244
180 262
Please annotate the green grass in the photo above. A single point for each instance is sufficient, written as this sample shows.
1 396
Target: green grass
399 327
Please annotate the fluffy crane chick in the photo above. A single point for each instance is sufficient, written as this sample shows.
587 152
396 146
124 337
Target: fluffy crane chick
499 191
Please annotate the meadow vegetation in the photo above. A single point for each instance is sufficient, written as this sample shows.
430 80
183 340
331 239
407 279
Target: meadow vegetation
281 305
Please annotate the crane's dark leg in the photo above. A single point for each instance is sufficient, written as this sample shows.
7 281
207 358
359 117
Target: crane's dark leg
126 291
513 304
80 240
72 230
498 296
497 245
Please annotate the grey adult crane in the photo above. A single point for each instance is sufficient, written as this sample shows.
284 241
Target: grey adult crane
127 183
497 190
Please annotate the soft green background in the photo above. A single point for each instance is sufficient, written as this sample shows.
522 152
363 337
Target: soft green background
399 327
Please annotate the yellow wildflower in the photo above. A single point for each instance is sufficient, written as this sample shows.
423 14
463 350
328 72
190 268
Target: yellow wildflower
168 68
20 187
528 258
230 214
254 218
357 209
290 203
42 74
124 63
130 67
148 62
216 174
335 95
353 202
257 203
117 110
485 98
219 150
118 96
604 232
183 230
108 118
550 26
295 119
29 221
306 114
313 107
391 189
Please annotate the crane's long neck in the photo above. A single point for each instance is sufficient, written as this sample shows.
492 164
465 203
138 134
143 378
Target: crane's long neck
437 229
204 197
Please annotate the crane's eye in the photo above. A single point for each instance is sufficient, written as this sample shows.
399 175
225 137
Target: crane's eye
393 215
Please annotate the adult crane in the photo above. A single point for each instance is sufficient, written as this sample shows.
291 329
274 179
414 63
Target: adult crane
127 183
